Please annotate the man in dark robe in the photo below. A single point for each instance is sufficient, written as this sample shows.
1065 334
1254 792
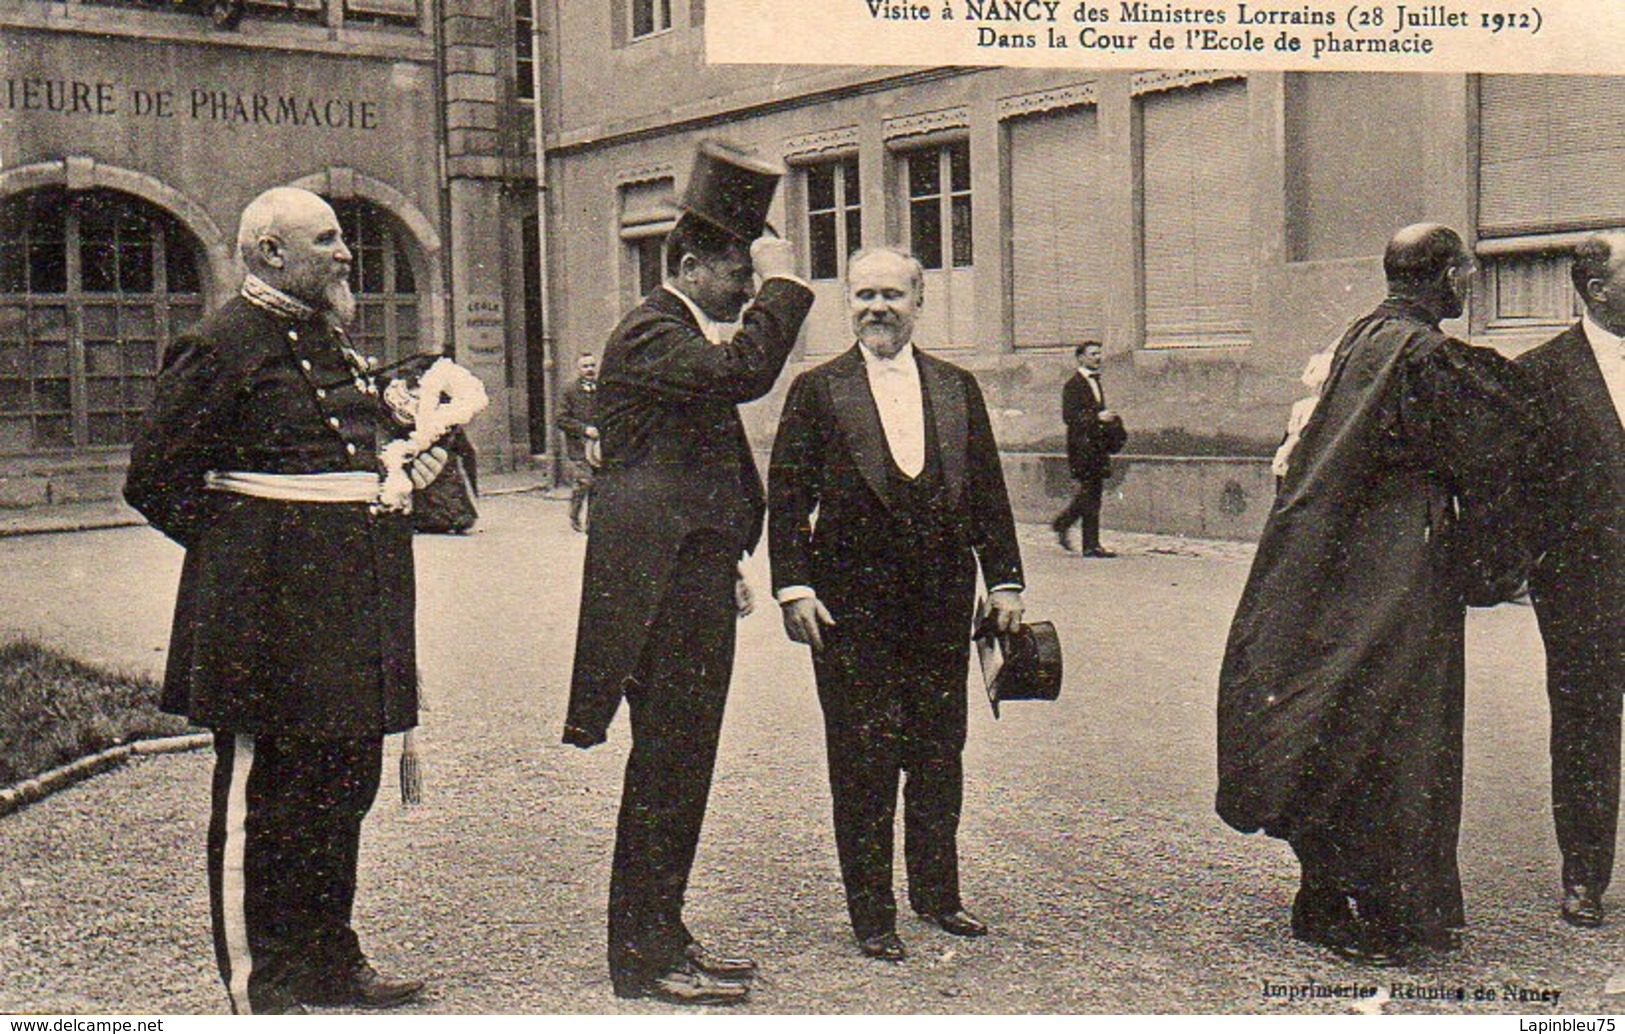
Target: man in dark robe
679 501
1579 584
1341 694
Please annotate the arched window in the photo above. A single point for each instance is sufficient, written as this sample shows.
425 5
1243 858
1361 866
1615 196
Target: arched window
386 323
93 287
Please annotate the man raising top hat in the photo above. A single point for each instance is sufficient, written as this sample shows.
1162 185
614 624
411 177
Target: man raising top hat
678 501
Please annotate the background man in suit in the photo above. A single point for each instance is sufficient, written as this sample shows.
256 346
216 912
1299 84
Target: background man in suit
895 451
679 501
1093 434
1579 585
293 638
578 422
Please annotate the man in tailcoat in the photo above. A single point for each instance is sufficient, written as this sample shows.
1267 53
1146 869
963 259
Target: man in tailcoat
1093 434
1578 587
1341 692
679 502
894 450
293 637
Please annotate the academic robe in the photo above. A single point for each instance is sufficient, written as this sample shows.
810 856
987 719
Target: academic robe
1341 693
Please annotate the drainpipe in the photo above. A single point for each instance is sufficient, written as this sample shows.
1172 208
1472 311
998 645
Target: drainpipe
544 301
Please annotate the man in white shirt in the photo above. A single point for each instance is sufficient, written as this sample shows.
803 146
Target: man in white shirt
894 450
1579 583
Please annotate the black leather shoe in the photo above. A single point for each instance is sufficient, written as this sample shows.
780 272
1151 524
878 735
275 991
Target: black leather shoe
1582 907
1099 553
960 923
707 961
887 946
1064 539
362 987
685 984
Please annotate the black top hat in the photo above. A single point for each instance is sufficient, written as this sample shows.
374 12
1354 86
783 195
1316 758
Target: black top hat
1021 665
731 188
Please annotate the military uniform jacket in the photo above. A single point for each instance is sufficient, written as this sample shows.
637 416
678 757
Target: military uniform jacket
675 462
291 617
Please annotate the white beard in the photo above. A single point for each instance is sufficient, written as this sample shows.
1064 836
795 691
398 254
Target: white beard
341 304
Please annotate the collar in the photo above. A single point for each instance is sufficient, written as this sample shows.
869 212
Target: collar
1086 372
903 360
1603 341
712 329
259 293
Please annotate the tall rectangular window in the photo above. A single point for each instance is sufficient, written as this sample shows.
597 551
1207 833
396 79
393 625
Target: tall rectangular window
834 216
648 212
1197 217
1058 229
939 205
650 17
524 51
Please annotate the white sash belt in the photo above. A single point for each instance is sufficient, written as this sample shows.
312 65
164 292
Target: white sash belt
348 486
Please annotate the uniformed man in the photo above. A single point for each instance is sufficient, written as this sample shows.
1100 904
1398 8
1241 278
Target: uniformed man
293 633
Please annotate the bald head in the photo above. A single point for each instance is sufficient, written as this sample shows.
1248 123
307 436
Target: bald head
291 239
1419 253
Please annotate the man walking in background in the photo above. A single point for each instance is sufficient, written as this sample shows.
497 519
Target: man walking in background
1579 585
1093 434
578 422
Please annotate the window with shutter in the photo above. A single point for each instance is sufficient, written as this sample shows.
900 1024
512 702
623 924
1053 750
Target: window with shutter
1551 153
1196 218
1056 228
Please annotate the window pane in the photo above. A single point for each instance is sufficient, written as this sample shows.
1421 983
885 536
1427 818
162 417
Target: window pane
47 268
370 269
53 396
13 360
49 323
98 267
107 429
849 170
406 321
180 265
135 268
13 267
648 258
99 321
959 166
854 230
53 433
104 394
820 187
643 17
962 233
822 246
404 283
140 357
138 394
15 397
102 358
924 174
50 360
925 232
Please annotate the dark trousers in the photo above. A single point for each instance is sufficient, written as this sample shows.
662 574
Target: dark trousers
676 700
581 476
894 706
284 834
1585 784
1084 510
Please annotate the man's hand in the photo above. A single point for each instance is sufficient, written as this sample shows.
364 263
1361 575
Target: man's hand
744 599
773 256
1006 610
1107 416
426 466
802 621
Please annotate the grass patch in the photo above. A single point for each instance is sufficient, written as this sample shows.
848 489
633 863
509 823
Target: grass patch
54 709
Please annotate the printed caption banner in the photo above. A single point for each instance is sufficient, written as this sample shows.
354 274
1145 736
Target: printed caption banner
1553 36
